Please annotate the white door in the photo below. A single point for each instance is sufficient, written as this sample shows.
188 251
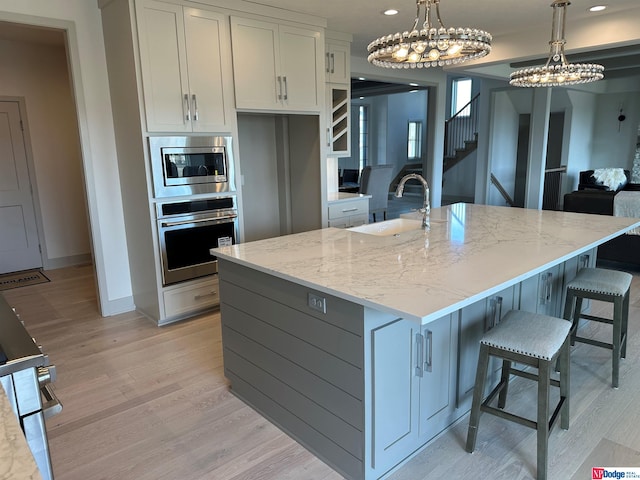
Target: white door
19 245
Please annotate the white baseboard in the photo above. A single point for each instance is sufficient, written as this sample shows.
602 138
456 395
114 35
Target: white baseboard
63 262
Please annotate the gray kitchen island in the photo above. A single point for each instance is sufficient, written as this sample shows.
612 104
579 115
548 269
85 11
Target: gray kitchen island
362 344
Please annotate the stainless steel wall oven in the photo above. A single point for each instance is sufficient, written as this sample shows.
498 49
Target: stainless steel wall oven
188 230
191 165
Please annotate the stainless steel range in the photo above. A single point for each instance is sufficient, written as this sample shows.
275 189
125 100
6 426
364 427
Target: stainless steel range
25 375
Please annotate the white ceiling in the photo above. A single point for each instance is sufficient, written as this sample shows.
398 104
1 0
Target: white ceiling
521 29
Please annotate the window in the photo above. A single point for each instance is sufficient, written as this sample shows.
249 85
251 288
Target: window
461 96
414 141
363 135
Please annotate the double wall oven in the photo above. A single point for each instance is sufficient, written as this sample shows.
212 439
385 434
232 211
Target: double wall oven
193 180
187 230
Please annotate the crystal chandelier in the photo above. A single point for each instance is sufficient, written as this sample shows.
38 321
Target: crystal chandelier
429 46
557 72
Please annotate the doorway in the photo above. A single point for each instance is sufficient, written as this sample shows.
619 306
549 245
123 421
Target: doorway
553 158
19 242
46 221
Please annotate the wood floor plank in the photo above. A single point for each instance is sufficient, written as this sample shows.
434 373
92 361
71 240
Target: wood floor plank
149 403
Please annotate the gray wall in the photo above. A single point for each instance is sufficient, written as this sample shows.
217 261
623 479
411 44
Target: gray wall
389 116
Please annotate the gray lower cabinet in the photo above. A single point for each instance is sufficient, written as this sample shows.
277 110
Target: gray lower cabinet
394 392
542 293
437 376
571 269
412 394
474 320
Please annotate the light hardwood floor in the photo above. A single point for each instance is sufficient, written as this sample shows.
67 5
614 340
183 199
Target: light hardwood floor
149 403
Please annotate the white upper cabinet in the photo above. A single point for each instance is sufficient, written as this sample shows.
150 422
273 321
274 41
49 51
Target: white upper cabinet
277 67
184 55
338 62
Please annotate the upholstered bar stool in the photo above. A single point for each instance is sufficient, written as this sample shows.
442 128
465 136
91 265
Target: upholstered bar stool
608 286
537 341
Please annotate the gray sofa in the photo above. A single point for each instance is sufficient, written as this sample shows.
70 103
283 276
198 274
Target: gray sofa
597 199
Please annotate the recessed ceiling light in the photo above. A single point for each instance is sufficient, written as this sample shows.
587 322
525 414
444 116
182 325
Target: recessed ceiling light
361 78
597 8
413 84
390 11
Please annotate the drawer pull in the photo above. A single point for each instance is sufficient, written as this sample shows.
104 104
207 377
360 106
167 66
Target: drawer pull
428 364
347 210
205 295
418 372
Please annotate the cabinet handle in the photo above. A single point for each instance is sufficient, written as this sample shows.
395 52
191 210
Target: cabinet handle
346 210
186 104
286 89
546 285
205 295
333 63
583 261
195 107
428 365
419 355
495 314
328 137
328 69
279 88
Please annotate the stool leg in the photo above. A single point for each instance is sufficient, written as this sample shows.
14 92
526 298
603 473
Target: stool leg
544 373
478 391
576 319
625 324
568 305
617 334
565 376
504 380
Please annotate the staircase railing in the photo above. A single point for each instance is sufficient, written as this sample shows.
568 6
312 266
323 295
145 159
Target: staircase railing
552 188
503 192
460 128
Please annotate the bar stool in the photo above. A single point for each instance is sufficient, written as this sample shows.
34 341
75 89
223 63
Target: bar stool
608 286
537 341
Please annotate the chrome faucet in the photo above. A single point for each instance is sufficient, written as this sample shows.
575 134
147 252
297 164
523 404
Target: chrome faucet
426 208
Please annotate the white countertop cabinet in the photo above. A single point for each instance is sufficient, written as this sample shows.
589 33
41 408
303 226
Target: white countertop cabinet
338 62
351 210
186 86
277 67
339 119
338 96
349 214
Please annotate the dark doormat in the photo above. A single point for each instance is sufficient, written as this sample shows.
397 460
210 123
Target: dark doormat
22 279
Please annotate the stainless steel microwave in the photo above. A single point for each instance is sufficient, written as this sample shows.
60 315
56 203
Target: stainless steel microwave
191 165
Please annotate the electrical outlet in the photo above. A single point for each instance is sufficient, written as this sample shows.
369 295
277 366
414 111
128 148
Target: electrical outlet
317 303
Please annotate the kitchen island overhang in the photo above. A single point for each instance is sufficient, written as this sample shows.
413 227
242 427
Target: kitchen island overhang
363 347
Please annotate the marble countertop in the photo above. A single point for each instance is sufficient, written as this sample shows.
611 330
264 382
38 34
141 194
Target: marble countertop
16 461
471 252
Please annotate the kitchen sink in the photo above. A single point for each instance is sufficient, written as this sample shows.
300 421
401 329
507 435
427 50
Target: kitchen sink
389 227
